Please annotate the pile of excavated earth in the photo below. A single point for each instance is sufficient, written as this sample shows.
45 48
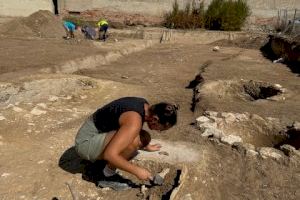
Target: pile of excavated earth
238 131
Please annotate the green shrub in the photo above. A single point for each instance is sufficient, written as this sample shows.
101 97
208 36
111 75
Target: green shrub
189 18
227 15
80 22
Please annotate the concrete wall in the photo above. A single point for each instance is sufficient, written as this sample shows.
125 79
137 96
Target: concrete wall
24 7
262 8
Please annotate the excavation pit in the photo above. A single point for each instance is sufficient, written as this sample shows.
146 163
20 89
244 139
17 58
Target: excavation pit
259 90
243 127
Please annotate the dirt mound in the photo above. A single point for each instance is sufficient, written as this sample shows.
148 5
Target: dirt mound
42 24
253 42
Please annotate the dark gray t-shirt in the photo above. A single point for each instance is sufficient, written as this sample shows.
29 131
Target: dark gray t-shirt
107 118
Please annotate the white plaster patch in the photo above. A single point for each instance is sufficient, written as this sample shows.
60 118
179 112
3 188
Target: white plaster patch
179 152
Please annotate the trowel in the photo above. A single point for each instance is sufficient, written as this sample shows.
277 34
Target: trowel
159 178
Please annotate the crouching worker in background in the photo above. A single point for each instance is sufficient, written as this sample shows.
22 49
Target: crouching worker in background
103 27
70 27
114 134
89 32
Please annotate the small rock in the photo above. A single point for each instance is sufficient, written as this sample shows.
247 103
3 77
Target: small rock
278 86
279 60
163 153
187 197
296 126
83 96
41 161
17 109
252 152
53 98
144 190
268 152
288 149
212 132
42 105
256 117
230 139
30 124
125 77
201 120
241 117
5 175
2 117
36 111
229 117
207 125
216 48
211 113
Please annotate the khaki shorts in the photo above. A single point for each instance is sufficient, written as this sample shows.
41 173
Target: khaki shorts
89 142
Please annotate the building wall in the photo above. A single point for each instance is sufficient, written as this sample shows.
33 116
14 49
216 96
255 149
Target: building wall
24 7
262 8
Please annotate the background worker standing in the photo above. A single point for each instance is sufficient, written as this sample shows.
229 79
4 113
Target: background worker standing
103 26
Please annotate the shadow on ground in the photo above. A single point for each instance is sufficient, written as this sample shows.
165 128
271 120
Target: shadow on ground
268 53
72 163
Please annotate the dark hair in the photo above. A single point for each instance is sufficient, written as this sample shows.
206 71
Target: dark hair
166 112
145 138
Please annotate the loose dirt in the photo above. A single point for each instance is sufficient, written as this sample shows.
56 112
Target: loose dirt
40 114
41 24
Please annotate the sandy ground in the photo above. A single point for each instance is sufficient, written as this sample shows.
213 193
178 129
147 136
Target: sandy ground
41 111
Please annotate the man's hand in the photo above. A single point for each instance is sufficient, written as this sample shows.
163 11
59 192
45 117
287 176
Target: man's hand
143 174
152 147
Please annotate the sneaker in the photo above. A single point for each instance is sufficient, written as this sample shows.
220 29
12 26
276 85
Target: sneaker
116 182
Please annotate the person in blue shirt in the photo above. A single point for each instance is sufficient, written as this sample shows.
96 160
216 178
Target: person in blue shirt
70 27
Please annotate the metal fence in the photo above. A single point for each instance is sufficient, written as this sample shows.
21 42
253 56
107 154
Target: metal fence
289 22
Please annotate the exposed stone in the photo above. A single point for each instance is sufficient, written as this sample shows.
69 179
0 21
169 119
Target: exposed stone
268 152
216 133
228 117
208 125
289 150
216 48
5 174
36 111
42 105
201 120
187 197
2 117
211 113
241 117
53 98
256 117
278 86
296 126
230 139
17 109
